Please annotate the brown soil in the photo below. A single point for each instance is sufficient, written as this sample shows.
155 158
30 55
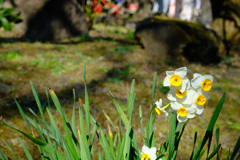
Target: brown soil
113 59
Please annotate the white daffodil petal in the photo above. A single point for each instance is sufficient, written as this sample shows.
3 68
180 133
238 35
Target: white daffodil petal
159 103
196 75
178 80
166 81
205 93
152 151
191 92
145 149
191 109
209 77
183 86
185 79
182 119
188 85
181 71
153 157
171 95
195 96
182 100
175 106
196 82
165 112
191 115
199 109
170 73
187 101
200 91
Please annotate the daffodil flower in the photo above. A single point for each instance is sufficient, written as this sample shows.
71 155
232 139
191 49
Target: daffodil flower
181 97
149 153
159 109
199 100
177 79
183 112
202 81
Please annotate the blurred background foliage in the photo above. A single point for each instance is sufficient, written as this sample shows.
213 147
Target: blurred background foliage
8 17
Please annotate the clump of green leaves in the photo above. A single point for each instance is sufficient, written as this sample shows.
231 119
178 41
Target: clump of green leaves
59 47
11 55
7 16
120 143
162 88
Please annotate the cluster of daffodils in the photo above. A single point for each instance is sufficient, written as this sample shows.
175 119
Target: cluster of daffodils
188 98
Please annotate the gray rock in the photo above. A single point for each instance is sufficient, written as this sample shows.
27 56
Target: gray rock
177 42
50 19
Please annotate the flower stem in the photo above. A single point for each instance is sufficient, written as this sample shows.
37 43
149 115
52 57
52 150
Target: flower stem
165 107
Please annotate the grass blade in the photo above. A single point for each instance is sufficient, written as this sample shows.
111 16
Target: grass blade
37 101
131 100
22 114
195 139
82 146
86 105
37 141
11 149
73 117
236 148
3 156
215 151
25 150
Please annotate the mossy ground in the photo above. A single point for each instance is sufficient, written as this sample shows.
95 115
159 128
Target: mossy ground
113 58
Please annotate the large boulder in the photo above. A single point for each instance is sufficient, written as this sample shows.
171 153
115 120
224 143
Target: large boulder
50 19
178 42
226 23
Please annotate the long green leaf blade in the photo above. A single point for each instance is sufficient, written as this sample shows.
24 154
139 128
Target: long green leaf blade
154 85
173 119
25 150
209 131
86 105
215 151
236 149
22 114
